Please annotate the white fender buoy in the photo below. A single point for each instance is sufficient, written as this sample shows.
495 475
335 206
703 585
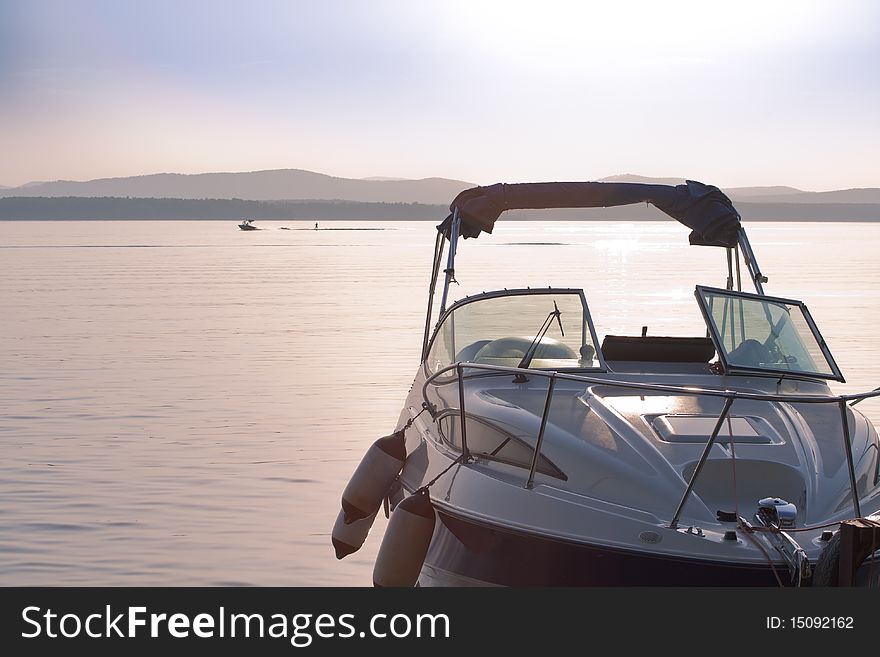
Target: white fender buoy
348 538
406 542
376 472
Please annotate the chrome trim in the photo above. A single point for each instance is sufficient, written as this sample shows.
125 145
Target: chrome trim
432 286
450 261
778 512
462 412
728 402
793 554
729 396
749 256
863 399
540 439
844 420
656 387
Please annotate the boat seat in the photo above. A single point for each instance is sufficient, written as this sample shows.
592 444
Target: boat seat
467 354
658 349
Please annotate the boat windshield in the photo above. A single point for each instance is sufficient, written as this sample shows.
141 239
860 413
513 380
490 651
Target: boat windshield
504 328
758 333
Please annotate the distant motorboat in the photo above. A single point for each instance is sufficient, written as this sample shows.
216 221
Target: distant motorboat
248 224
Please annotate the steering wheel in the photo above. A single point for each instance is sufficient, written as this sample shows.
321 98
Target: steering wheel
776 354
750 352
516 347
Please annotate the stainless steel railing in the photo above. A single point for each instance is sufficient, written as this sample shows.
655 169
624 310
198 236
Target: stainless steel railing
728 395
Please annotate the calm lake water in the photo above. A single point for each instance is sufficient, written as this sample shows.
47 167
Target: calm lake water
183 402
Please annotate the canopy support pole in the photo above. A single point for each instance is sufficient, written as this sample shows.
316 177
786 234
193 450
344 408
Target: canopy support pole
729 268
749 256
438 255
450 262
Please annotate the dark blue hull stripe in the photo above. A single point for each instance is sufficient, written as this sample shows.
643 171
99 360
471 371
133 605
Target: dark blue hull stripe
508 557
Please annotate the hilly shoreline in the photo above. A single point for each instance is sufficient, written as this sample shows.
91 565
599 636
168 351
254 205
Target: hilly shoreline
112 208
295 194
270 185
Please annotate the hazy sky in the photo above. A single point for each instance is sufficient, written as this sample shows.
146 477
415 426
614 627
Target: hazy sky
732 93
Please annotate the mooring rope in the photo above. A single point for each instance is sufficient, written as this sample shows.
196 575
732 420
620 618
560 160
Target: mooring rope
743 528
410 421
463 458
754 539
773 529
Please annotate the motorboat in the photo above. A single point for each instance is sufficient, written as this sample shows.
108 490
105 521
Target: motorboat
248 224
530 453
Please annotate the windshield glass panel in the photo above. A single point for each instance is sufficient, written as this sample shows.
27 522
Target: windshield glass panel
502 330
763 333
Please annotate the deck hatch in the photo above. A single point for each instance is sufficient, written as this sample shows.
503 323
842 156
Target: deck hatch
698 428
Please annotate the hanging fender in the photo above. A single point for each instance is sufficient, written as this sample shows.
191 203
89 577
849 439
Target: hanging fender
348 538
406 542
373 477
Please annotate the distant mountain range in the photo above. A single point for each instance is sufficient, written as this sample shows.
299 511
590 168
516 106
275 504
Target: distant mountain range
298 194
272 185
770 194
298 184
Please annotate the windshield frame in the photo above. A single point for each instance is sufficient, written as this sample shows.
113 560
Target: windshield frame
588 319
699 293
